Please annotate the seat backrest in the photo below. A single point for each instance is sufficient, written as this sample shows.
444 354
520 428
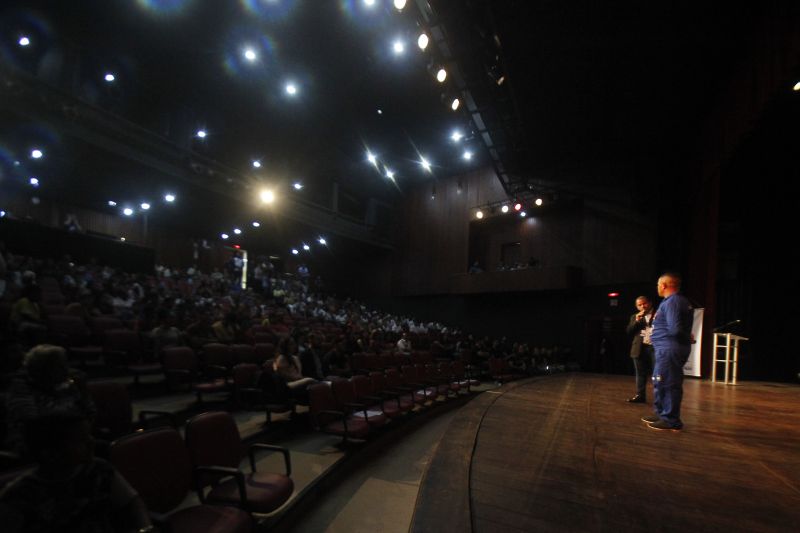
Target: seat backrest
264 351
122 340
320 398
217 354
99 324
71 328
343 393
362 386
180 358
245 375
156 464
394 378
410 374
378 380
243 353
114 410
213 439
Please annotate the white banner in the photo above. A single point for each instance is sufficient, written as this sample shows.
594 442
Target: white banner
692 366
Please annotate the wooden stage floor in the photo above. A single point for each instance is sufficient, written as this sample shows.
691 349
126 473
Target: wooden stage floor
568 453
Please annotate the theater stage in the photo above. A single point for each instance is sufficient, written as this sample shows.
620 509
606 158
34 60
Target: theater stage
566 452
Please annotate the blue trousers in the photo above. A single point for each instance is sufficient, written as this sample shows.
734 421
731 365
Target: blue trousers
668 384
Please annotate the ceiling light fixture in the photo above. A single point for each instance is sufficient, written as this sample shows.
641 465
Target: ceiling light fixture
322 241
250 54
24 41
237 231
422 41
399 4
127 211
467 155
224 236
36 153
454 104
504 209
479 214
201 134
169 198
256 224
425 164
457 136
372 159
298 186
294 251
399 47
256 163
267 196
109 77
441 75
145 206
538 201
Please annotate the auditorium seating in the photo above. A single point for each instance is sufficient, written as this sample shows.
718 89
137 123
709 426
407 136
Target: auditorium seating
214 447
326 417
157 465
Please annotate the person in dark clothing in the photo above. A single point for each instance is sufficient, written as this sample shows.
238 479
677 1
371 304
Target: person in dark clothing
639 327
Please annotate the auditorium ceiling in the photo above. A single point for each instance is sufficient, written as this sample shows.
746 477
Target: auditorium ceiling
582 98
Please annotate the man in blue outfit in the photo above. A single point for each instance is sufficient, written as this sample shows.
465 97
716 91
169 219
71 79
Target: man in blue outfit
672 341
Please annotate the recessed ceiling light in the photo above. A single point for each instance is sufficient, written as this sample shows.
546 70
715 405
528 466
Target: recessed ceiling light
34 182
298 186
109 77
389 174
36 153
372 159
24 41
201 134
237 231
145 206
399 4
467 155
441 75
224 236
306 247
455 103
504 209
797 86
538 201
127 211
112 203
380 111
457 136
295 251
256 164
425 164
250 55
479 214
322 241
169 198
422 41
291 89
399 47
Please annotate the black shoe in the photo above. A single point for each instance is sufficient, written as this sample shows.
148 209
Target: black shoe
651 419
637 399
664 425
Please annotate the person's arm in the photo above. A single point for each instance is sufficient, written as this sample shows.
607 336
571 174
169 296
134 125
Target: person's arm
677 328
635 325
130 512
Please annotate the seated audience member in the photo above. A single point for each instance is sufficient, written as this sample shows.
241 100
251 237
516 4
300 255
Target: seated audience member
45 384
310 361
475 268
165 334
200 332
336 361
26 315
69 489
404 345
227 330
287 365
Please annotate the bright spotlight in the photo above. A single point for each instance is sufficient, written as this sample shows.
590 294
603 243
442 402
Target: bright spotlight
127 211
169 198
201 134
455 103
517 206
256 224
36 153
24 41
306 247
112 203
467 155
295 251
441 75
425 164
267 196
298 186
399 47
479 214
504 209
224 236
322 241
422 41
399 4
457 136
796 86
145 206
34 182
109 77
522 214
372 159
389 174
250 54
538 201
237 231
291 89
256 163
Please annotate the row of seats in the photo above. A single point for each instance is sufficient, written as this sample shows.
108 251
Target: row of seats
352 408
163 468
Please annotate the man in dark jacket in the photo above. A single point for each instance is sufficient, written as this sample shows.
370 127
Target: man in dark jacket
639 328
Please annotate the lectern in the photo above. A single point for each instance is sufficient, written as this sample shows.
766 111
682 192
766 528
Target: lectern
726 350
